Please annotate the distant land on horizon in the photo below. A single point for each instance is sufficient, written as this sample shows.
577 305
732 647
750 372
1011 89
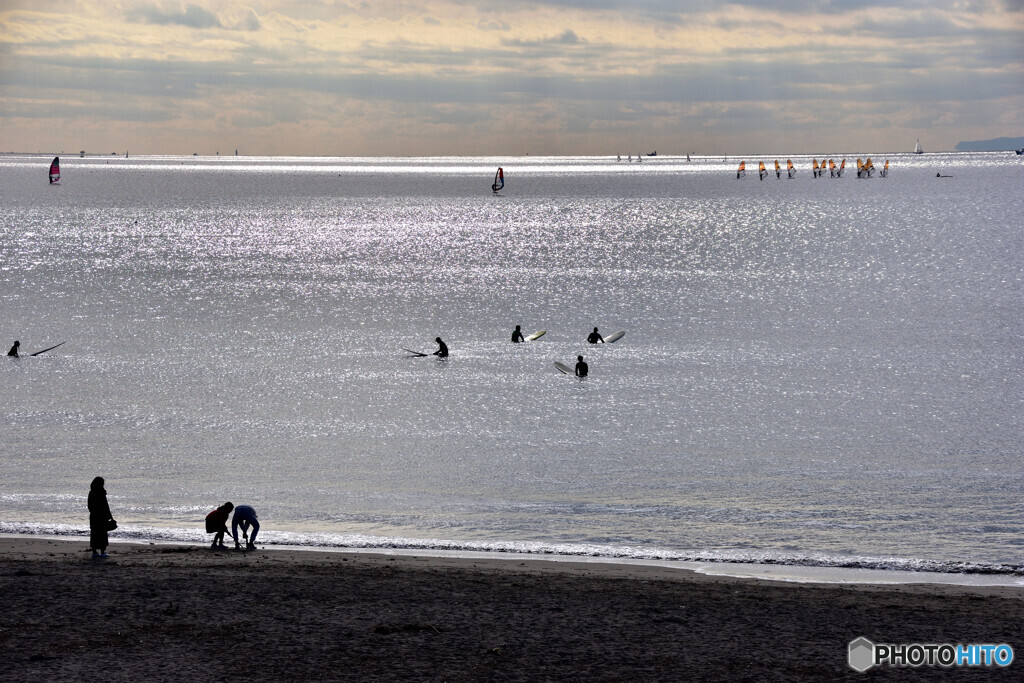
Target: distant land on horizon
993 145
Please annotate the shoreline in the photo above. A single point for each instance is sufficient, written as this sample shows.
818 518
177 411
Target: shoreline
163 611
772 570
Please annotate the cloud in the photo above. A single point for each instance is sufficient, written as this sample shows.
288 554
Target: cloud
193 16
566 37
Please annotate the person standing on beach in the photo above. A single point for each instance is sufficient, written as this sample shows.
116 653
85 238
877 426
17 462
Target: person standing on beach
217 524
442 349
99 519
581 368
594 337
245 517
517 336
13 353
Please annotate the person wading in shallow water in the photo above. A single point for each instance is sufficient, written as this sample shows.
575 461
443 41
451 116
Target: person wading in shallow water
442 349
517 336
13 353
594 337
100 519
581 368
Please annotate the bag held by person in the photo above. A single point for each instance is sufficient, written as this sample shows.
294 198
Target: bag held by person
111 525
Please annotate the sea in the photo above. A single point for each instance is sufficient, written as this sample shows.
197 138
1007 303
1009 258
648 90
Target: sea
815 372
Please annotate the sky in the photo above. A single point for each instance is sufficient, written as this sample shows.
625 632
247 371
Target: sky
551 77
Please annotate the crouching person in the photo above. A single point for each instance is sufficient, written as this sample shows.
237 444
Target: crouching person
217 524
245 517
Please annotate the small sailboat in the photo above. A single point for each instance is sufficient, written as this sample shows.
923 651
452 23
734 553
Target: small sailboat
499 180
742 170
761 171
917 147
688 156
618 157
55 170
630 159
884 173
778 170
790 168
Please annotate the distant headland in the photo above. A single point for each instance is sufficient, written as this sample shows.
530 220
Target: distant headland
993 145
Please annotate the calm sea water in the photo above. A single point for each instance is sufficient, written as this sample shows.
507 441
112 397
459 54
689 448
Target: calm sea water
814 371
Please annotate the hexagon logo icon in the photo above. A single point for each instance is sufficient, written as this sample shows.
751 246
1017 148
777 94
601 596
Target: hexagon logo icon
862 654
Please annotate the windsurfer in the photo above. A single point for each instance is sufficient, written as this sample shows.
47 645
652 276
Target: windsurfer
13 353
517 336
594 337
442 349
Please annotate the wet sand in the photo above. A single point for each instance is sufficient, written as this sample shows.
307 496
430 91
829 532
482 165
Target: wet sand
167 612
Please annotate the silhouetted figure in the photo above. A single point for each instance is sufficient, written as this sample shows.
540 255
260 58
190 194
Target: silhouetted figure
217 524
442 349
594 337
245 517
517 336
99 519
14 350
581 368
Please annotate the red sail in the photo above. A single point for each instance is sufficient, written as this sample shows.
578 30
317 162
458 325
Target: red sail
55 170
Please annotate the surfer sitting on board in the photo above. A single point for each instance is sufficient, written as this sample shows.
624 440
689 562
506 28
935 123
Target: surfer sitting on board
14 349
594 337
517 336
581 368
442 349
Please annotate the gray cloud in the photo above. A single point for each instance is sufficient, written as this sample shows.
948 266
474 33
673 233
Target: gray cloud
193 16
566 37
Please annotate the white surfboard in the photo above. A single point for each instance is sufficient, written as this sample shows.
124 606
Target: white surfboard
614 337
537 335
562 367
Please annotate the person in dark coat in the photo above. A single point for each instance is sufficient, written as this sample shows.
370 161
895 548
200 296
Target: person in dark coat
217 524
13 353
99 518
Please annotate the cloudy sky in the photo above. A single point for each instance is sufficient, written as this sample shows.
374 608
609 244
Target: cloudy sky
444 77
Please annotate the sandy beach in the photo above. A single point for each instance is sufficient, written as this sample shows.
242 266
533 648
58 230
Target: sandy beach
163 612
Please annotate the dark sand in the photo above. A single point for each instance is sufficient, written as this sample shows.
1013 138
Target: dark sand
162 613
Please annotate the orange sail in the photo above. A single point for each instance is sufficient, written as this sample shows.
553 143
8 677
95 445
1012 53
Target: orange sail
742 170
778 170
814 166
790 169
761 171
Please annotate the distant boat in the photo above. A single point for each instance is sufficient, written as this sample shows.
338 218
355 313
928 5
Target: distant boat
688 156
499 180
630 159
1019 151
917 147
790 168
742 170
761 171
618 157
653 154
55 170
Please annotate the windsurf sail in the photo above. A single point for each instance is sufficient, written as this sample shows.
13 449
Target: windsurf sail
814 166
884 173
832 167
790 168
499 180
917 147
761 171
742 170
869 168
55 170
842 167
778 170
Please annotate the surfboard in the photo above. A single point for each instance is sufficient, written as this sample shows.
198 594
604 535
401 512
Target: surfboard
562 367
49 349
614 337
536 335
415 354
